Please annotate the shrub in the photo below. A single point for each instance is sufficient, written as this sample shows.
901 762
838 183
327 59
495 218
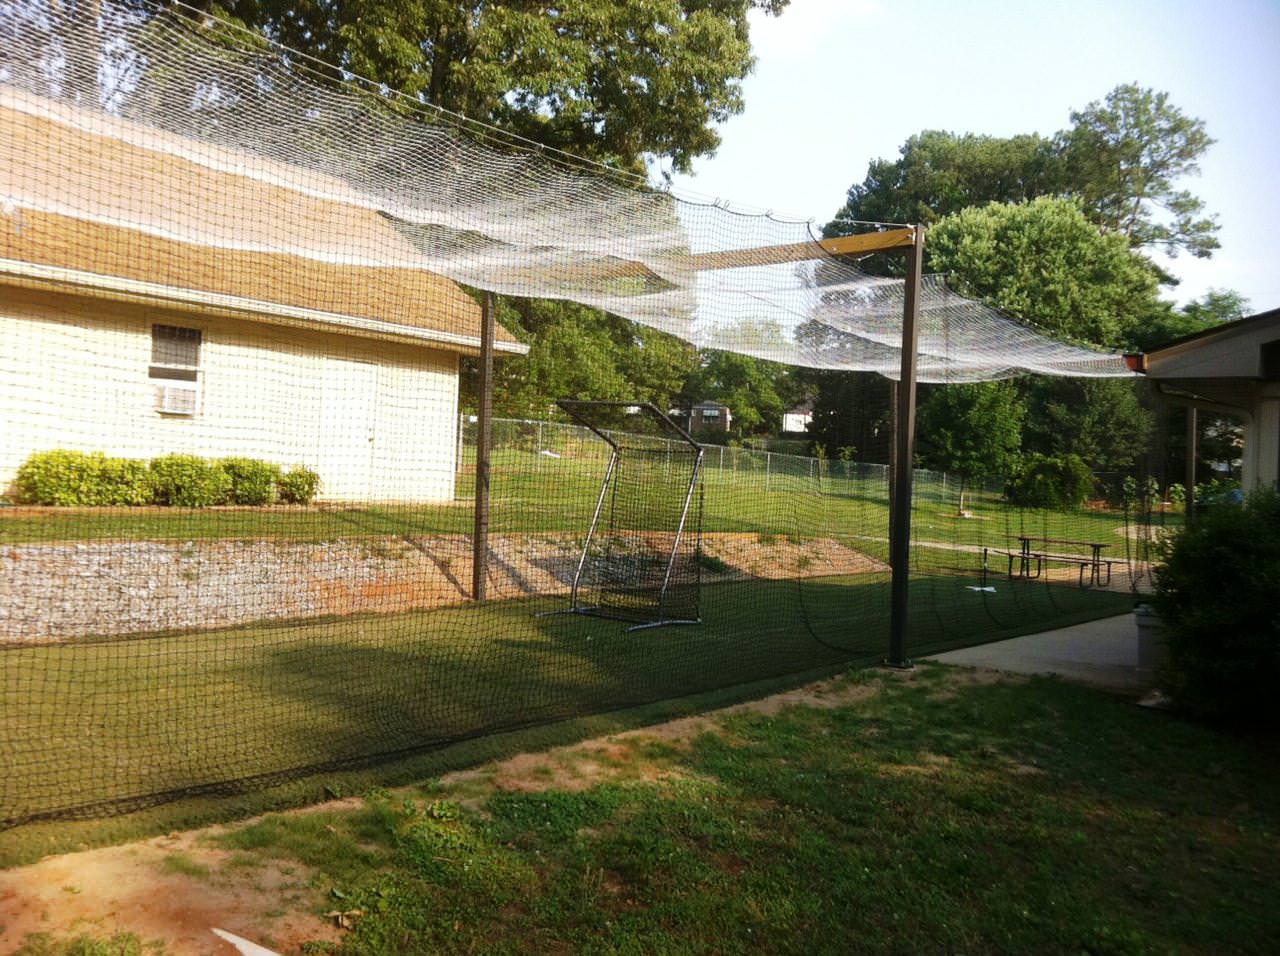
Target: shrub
186 481
298 485
82 479
125 481
1216 590
1045 481
1218 491
253 482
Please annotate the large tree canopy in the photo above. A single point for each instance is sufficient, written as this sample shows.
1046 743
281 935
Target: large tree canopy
1046 262
1121 158
615 80
940 173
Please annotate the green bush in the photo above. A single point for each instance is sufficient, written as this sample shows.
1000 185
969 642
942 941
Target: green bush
91 479
253 482
1046 481
82 479
1216 591
186 481
298 486
125 481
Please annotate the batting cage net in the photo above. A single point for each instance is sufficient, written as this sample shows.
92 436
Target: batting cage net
238 541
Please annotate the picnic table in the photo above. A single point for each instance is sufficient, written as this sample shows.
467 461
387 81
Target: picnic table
1035 550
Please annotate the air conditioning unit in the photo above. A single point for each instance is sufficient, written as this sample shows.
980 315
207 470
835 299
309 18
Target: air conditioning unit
177 399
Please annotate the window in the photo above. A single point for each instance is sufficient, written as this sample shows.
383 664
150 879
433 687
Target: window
175 368
711 413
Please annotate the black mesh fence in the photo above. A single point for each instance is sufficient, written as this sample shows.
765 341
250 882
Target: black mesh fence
156 651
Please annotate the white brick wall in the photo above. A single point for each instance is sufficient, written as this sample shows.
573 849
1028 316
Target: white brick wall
73 374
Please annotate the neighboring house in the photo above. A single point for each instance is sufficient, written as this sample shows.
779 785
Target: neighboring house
142 319
704 417
796 421
1231 369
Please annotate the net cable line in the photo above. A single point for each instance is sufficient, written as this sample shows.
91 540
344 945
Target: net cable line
163 129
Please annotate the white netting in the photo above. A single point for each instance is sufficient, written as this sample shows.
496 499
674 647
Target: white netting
150 125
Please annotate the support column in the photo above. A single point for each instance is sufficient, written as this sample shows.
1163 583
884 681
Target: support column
1193 453
484 439
904 439
893 457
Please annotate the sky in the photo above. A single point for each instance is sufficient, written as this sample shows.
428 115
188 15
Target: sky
840 82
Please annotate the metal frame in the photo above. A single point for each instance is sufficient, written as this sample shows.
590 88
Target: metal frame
573 409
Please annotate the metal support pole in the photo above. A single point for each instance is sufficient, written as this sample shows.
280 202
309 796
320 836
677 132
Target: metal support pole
1193 452
484 439
904 452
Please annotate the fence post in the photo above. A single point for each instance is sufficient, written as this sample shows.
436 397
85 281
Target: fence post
767 459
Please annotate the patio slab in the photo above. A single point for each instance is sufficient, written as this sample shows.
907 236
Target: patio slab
1103 653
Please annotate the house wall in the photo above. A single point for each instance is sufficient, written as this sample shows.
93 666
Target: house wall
74 374
1261 463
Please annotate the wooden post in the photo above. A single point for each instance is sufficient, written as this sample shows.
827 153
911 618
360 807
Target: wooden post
1193 441
904 439
484 439
892 472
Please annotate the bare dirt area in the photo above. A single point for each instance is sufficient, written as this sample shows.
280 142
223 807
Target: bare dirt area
51 592
172 889
175 889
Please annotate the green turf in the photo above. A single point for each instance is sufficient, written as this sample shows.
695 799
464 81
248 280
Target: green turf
928 814
535 493
91 722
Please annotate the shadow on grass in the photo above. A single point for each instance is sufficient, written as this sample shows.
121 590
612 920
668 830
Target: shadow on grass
91 728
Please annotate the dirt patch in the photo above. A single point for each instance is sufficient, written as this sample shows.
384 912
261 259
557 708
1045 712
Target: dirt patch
626 756
172 889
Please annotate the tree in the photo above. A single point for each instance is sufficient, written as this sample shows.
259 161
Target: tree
1122 158
937 174
578 352
615 80
973 431
1100 420
1044 261
1213 308
756 391
850 410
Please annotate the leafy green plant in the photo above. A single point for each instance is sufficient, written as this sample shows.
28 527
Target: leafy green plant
1216 591
298 485
82 479
1047 481
253 482
186 481
1217 491
125 481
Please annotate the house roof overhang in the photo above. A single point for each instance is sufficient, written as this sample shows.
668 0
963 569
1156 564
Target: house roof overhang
1227 367
77 282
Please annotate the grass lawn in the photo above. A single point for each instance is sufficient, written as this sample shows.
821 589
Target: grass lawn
535 493
920 813
90 724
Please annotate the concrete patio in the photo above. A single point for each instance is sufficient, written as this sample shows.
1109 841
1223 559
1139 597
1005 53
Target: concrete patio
1103 653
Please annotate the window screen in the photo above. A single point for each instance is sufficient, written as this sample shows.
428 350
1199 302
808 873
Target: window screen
175 352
